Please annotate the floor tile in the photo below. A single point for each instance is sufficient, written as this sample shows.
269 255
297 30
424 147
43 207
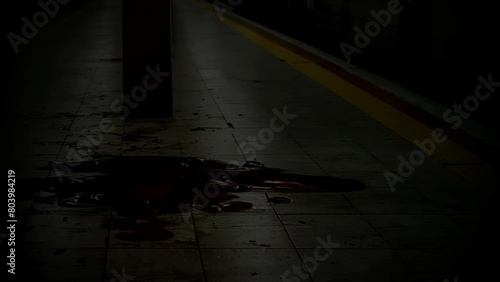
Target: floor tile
350 231
58 231
159 233
143 265
313 203
63 264
417 231
248 264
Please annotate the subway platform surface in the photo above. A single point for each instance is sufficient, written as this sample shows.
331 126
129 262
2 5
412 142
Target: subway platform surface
243 95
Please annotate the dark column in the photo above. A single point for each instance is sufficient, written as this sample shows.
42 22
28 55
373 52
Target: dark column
147 44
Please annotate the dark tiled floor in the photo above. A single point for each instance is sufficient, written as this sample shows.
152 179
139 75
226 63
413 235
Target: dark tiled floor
225 91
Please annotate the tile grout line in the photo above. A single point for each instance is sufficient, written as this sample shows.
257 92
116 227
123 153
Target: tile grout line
198 246
106 254
379 234
289 236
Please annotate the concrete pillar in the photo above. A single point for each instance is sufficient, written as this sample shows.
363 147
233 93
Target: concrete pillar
147 57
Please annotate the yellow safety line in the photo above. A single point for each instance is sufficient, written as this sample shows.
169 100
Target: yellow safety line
402 124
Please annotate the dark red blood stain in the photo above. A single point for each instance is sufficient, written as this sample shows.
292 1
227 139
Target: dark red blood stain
280 200
144 187
235 206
